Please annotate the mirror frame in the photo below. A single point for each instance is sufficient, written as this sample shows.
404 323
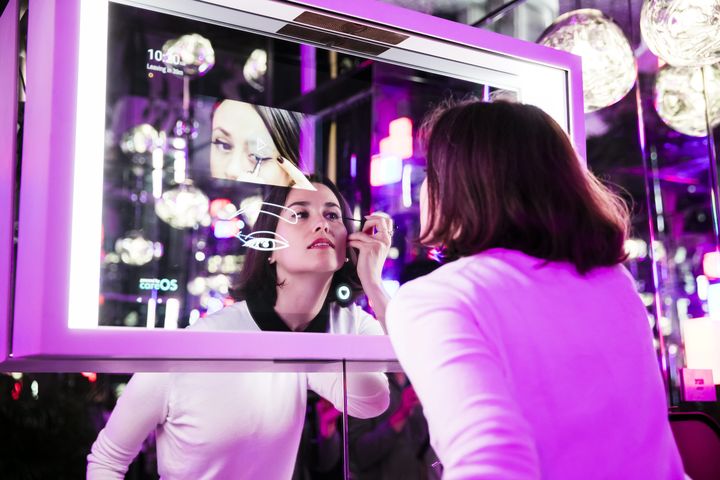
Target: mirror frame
60 64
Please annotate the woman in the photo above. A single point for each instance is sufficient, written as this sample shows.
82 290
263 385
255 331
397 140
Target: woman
531 353
253 143
248 425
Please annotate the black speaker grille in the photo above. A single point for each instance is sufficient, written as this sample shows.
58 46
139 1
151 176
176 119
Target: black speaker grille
350 28
331 40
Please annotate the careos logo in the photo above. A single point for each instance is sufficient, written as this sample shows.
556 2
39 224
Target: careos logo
162 284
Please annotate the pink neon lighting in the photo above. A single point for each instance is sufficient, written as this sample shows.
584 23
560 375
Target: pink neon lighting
385 170
400 141
91 376
217 206
226 228
711 264
386 167
17 388
701 337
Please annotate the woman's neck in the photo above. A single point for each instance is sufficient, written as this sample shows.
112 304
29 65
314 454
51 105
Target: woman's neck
301 298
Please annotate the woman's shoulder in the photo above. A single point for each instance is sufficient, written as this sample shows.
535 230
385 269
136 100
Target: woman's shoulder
466 278
235 317
353 320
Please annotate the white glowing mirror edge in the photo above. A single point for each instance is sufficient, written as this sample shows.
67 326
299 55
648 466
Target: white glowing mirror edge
84 286
542 85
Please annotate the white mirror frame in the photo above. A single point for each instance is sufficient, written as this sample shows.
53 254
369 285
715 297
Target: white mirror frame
58 260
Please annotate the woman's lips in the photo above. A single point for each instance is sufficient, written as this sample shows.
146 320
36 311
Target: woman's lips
321 243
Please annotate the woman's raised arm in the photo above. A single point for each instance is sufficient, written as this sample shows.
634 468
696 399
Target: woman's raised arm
140 408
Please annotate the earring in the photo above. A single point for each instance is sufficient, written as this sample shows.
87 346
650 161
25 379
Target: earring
347 259
270 260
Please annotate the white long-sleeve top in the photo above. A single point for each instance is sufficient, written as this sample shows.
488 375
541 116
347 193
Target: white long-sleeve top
230 425
528 370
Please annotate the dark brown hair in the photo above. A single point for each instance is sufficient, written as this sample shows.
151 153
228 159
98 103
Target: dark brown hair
284 128
506 175
259 276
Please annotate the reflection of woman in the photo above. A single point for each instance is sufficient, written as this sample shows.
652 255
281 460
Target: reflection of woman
252 143
298 278
248 425
531 353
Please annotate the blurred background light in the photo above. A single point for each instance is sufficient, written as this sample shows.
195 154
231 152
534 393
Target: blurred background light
711 265
191 53
135 249
141 139
183 207
608 63
682 32
680 99
255 69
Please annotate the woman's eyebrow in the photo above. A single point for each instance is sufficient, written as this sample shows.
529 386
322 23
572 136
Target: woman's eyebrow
302 204
306 203
222 130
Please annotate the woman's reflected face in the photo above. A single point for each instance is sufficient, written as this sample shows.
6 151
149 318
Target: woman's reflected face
318 241
242 148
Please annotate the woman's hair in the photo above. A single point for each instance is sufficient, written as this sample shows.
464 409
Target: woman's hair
284 128
259 276
506 175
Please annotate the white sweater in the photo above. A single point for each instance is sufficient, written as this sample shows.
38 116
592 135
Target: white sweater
532 371
229 425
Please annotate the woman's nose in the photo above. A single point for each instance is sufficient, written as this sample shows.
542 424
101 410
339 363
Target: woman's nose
322 225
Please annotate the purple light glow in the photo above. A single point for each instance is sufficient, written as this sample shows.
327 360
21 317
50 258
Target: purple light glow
385 170
353 165
227 228
400 141
308 82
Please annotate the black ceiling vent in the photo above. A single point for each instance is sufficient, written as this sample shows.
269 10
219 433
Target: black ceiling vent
344 27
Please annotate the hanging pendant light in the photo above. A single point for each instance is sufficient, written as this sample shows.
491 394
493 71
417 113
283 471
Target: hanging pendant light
141 139
682 32
680 101
255 69
183 207
608 64
135 249
192 53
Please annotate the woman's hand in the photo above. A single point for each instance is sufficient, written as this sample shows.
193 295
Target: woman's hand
373 244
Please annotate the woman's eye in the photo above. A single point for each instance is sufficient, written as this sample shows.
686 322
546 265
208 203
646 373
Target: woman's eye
332 216
222 145
302 214
265 241
257 158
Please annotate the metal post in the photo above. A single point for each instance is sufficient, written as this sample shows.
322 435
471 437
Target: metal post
346 448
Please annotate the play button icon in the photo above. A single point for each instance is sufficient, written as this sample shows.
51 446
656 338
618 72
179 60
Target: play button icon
260 145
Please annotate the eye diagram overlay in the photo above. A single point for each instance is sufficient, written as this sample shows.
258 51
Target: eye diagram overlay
265 240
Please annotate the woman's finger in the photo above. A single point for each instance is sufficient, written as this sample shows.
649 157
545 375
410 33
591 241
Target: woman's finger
366 246
297 177
364 237
378 225
371 223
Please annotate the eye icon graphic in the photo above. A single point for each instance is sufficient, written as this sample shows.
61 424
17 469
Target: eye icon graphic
264 241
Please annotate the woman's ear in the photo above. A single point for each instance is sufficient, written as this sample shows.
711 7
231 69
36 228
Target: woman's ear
271 260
